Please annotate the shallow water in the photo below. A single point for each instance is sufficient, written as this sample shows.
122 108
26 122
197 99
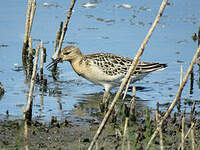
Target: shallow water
97 26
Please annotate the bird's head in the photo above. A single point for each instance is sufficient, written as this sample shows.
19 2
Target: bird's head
68 53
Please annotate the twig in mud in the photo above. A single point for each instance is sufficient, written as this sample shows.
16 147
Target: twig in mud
160 129
26 141
128 142
28 110
157 112
192 112
192 130
193 108
130 71
192 138
132 113
183 130
176 97
97 145
125 133
192 125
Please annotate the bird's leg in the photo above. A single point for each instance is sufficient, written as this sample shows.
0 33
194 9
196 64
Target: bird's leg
104 104
106 96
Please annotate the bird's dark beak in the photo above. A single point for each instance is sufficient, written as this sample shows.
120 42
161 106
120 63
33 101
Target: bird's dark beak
54 61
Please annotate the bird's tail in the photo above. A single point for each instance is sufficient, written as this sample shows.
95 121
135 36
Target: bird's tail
146 67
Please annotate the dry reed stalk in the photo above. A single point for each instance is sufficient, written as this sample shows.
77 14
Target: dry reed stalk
198 147
157 113
30 58
130 71
192 139
126 90
181 75
128 142
160 129
125 133
186 135
58 35
28 26
26 142
192 111
183 130
193 108
30 52
57 40
26 34
161 139
192 131
132 112
97 145
26 135
27 111
65 28
176 97
118 133
181 79
42 60
33 8
133 100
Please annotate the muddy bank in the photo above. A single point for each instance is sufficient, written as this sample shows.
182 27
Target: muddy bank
63 135
73 135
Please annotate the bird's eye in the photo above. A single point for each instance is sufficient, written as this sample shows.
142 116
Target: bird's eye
66 53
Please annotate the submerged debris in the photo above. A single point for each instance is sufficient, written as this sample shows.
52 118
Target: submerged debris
1 90
127 6
88 5
51 5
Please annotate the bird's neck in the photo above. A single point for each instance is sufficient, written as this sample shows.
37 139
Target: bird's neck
76 64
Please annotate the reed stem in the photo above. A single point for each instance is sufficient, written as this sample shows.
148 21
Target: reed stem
28 110
26 34
33 8
65 28
186 135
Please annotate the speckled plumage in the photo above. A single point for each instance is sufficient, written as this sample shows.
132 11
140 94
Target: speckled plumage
105 69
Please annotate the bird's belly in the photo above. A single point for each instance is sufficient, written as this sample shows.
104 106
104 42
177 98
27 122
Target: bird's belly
102 79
